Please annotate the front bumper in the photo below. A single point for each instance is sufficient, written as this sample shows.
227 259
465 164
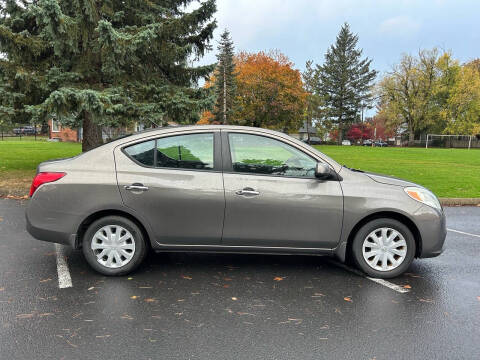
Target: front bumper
433 231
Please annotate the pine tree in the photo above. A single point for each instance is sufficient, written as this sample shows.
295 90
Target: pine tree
95 63
315 103
225 86
345 80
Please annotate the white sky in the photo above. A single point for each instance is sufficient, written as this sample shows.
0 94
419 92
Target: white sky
304 29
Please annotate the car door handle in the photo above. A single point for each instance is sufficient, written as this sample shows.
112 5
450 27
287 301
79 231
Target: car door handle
247 191
136 187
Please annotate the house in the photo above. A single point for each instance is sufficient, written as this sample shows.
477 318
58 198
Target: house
304 132
62 133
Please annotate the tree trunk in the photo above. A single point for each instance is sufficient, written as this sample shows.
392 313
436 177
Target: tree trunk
411 137
340 132
308 131
224 96
92 133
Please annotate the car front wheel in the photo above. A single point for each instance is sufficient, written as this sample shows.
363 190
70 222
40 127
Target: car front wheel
383 248
114 246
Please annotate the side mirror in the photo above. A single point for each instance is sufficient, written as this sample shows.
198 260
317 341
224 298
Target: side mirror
322 171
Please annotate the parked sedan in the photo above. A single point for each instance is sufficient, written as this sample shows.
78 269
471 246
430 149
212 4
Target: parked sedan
229 189
380 143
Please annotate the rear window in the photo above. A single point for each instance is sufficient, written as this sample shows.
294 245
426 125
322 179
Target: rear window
192 151
142 152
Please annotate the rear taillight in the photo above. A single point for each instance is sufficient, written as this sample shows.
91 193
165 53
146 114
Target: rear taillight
45 177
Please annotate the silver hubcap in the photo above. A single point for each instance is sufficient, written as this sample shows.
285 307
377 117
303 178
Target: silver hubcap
384 249
113 246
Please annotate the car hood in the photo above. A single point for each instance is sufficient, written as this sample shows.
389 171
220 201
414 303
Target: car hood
389 180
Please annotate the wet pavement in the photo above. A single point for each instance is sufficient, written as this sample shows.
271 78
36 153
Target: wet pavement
199 306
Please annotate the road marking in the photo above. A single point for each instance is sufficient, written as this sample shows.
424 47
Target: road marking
464 233
386 283
64 279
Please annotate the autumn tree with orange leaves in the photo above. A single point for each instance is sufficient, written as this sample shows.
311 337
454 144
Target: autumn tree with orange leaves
270 92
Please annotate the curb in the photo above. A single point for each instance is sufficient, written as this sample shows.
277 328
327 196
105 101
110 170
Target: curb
460 201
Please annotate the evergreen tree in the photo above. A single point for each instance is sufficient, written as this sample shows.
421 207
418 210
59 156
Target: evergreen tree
92 63
345 80
315 103
225 86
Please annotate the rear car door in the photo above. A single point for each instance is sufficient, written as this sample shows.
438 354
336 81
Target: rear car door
273 198
175 183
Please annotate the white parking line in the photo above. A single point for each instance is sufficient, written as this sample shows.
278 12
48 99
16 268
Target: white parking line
464 233
64 279
386 283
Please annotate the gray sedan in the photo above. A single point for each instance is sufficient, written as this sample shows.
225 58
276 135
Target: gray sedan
229 189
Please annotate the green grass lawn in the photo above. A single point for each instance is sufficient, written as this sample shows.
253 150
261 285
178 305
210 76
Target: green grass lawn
19 160
447 172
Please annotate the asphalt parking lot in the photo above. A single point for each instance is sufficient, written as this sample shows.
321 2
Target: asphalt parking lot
198 306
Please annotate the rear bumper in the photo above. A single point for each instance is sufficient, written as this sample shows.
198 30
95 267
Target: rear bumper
49 235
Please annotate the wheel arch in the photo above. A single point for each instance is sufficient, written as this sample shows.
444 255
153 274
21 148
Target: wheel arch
384 214
82 228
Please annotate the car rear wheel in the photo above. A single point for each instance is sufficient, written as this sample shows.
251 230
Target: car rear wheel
114 245
383 248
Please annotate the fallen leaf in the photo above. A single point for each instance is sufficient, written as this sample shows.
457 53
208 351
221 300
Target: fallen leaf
348 298
234 298
278 278
478 297
130 278
150 300
1 289
186 277
15 197
407 287
24 316
91 288
45 280
1 219
226 286
227 279
134 297
426 300
412 275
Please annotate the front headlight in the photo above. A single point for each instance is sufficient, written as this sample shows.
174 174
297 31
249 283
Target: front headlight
424 196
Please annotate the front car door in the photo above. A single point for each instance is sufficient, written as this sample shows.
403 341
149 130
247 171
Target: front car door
273 198
175 182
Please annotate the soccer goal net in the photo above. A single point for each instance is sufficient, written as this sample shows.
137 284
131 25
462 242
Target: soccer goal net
451 141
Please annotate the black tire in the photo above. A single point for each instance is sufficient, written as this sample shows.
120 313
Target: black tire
138 238
362 234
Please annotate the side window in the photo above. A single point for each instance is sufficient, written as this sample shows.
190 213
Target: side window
143 152
193 151
262 155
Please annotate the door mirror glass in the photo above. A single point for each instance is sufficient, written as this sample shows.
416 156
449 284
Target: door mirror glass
322 171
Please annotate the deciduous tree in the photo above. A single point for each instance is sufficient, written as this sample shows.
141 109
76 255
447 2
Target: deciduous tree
270 92
407 92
